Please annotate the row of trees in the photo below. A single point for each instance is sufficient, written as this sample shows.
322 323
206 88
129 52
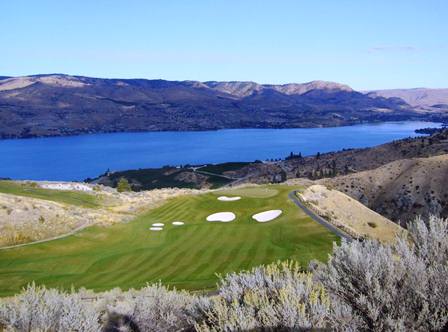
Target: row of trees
365 286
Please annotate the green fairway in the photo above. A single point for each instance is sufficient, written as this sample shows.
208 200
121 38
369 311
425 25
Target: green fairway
189 256
60 196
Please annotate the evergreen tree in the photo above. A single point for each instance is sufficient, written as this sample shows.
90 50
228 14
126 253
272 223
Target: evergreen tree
123 185
333 167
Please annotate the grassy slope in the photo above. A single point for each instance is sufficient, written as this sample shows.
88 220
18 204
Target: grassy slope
129 255
67 197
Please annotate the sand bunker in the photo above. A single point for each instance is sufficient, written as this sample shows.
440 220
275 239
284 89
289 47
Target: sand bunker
267 215
229 199
156 228
178 223
222 217
158 224
65 186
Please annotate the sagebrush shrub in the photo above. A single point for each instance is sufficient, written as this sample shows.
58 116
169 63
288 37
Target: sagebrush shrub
40 309
397 287
267 297
156 308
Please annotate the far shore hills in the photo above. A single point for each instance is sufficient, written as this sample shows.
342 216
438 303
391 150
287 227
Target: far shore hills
60 105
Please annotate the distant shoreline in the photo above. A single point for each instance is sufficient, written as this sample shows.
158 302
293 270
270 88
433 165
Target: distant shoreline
3 138
79 157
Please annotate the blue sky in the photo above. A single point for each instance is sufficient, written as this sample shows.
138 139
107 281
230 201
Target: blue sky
366 44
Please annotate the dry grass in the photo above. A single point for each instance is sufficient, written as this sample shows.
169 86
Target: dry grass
349 214
400 190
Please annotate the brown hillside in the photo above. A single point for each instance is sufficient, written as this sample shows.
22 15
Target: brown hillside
401 189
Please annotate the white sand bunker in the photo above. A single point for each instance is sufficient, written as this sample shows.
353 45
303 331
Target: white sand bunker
222 216
156 228
229 199
65 186
178 223
267 215
158 224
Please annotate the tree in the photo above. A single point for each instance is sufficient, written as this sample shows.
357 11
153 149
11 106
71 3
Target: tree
333 168
123 185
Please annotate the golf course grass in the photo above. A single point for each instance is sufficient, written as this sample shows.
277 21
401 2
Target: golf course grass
61 196
187 256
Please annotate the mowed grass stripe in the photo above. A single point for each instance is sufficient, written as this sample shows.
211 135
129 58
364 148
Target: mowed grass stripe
175 211
198 254
165 259
246 254
149 268
226 258
189 256
172 205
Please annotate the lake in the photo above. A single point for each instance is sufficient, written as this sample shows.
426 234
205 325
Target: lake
79 157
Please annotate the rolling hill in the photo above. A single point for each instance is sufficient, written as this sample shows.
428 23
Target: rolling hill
401 190
57 104
435 99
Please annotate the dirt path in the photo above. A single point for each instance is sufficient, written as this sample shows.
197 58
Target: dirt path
72 232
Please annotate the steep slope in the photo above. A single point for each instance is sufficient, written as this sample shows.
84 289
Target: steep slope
419 97
401 190
57 104
348 214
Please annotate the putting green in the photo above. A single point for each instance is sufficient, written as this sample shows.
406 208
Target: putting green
188 256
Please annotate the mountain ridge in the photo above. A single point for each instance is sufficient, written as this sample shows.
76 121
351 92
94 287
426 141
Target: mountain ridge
58 104
417 97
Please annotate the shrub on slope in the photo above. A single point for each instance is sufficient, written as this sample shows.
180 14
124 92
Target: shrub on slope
153 308
399 287
272 297
41 309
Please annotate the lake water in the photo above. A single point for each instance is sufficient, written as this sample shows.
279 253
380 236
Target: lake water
79 157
